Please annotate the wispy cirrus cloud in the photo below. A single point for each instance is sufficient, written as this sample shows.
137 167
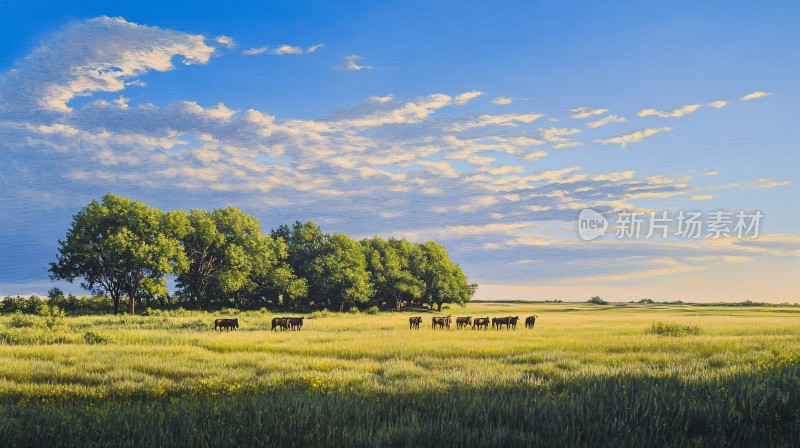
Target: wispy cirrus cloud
585 112
755 95
225 41
633 137
282 50
605 120
255 51
465 97
675 113
350 63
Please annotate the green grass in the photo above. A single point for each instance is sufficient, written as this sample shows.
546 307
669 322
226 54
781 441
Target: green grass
587 375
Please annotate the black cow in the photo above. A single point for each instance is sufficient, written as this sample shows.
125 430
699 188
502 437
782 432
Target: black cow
463 321
530 321
295 323
512 321
481 322
441 322
280 322
413 322
227 324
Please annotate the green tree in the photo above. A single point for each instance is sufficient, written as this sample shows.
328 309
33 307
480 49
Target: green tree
445 282
204 246
272 280
340 272
121 247
304 244
391 266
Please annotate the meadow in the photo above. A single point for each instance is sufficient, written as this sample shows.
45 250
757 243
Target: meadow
586 375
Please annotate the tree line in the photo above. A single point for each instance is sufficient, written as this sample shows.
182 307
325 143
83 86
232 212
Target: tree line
126 249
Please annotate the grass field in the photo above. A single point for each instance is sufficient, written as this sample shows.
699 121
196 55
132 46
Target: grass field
587 375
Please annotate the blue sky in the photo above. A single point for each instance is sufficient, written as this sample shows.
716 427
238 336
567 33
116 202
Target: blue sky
487 128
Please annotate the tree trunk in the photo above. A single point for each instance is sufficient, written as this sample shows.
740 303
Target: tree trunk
398 304
439 306
132 305
341 306
115 298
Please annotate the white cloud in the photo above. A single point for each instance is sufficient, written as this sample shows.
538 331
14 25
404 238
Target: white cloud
718 104
701 197
677 113
221 112
754 95
605 121
381 99
314 48
111 54
497 120
255 51
502 100
585 112
633 137
465 97
350 63
225 41
286 49
441 168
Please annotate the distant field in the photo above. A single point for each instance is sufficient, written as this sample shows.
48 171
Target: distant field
587 375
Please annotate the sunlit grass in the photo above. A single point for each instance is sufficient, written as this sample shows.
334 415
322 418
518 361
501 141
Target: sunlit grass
179 359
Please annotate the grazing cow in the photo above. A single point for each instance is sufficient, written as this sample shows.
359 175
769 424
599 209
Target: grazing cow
494 322
280 322
504 321
441 322
413 322
463 321
295 323
481 322
530 321
227 324
512 321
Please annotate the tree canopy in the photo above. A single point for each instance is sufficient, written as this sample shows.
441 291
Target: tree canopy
127 249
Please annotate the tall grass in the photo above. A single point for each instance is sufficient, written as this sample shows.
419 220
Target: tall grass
585 376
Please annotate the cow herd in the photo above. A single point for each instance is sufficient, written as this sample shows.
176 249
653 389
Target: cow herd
444 322
441 322
287 323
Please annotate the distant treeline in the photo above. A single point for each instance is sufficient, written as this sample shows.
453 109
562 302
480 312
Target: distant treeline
125 249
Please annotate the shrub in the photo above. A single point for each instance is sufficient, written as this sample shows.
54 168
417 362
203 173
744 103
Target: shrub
373 310
672 329
353 310
648 301
320 314
53 315
597 301
90 337
22 304
19 320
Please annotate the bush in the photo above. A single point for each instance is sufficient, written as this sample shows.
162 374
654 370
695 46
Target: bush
353 310
648 301
53 315
672 329
373 310
19 320
90 337
597 301
320 314
22 304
